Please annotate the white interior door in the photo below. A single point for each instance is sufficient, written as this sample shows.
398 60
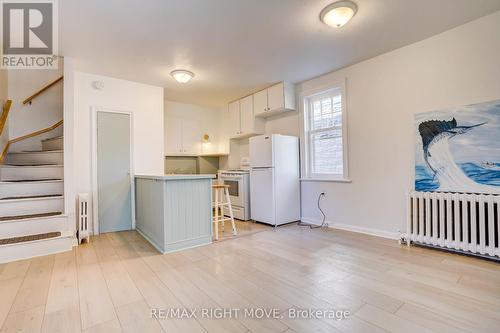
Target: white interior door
114 183
262 197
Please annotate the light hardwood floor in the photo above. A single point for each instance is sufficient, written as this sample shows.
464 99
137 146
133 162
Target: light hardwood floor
111 284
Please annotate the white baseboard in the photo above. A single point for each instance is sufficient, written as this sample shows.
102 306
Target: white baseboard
353 228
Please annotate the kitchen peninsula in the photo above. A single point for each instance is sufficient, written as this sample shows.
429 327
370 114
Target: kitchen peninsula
174 212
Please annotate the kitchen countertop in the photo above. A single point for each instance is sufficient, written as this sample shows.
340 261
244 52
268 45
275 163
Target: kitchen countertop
176 176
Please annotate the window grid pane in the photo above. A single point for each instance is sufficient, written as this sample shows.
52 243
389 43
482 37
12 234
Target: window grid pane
327 152
324 134
326 112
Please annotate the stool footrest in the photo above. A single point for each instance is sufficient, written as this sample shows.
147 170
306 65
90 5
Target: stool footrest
220 220
220 204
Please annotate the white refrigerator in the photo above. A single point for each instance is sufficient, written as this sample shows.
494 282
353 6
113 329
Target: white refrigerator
274 179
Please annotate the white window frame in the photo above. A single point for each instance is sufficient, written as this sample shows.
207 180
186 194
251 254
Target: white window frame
306 149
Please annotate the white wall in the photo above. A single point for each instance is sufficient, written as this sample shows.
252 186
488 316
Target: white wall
146 104
458 67
45 110
199 120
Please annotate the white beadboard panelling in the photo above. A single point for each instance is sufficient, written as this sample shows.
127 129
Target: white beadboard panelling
150 210
187 207
174 214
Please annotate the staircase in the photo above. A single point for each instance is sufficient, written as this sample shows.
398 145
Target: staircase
32 222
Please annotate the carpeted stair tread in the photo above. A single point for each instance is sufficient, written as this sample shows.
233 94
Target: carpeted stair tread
39 151
30 180
29 238
31 164
29 216
32 197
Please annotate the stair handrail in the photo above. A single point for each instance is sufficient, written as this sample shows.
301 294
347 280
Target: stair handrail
41 91
27 136
5 114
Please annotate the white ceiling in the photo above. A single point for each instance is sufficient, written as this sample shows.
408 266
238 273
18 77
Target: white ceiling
238 46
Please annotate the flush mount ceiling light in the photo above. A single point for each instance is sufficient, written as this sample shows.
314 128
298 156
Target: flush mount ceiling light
182 75
338 13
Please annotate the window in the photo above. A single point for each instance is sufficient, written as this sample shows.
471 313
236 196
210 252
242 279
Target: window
324 128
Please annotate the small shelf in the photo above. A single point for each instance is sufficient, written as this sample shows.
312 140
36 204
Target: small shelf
195 155
213 154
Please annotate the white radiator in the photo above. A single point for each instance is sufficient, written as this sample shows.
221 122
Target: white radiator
461 222
83 218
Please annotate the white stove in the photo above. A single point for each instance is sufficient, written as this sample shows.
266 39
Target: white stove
239 191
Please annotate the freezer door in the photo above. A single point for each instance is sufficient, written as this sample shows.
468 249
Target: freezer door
261 151
262 196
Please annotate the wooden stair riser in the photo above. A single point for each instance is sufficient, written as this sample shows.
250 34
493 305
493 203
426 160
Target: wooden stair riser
31 188
53 144
31 206
44 247
32 173
35 158
20 228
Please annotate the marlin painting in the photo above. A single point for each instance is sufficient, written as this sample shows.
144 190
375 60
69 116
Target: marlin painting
451 152
433 131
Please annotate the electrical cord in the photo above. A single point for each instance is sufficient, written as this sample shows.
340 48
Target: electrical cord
314 226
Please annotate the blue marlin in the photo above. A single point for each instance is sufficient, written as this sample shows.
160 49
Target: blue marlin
434 130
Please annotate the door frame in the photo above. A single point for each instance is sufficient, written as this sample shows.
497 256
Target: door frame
95 195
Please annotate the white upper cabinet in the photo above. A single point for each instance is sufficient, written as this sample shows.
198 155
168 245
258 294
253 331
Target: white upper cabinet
173 136
276 99
247 119
242 121
260 102
234 119
182 136
191 137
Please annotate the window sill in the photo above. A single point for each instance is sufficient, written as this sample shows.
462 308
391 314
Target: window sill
326 180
